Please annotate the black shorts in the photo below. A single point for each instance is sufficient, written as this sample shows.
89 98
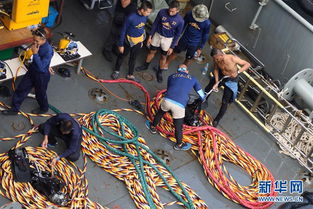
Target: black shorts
182 46
154 48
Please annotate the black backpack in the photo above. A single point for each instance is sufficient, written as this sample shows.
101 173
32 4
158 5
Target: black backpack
192 111
44 182
20 164
49 185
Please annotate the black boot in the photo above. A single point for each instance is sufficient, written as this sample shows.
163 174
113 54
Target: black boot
143 67
215 123
159 76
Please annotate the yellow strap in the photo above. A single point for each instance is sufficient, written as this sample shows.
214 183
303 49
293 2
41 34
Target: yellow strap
135 40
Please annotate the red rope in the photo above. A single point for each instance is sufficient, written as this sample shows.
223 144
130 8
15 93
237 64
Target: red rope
222 185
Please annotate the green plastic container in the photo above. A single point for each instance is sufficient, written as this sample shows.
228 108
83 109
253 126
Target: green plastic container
6 54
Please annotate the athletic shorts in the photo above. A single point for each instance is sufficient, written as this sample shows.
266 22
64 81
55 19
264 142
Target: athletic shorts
183 46
162 42
177 111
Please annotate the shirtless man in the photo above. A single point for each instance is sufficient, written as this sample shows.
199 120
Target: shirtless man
226 70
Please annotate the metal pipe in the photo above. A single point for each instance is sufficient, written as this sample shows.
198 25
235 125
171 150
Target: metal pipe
254 26
263 90
253 116
256 102
268 131
243 91
211 5
295 14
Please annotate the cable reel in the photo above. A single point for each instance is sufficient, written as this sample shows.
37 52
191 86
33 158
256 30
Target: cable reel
299 87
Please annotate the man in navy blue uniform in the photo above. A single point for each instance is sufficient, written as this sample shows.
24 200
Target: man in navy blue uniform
37 76
131 39
164 34
68 129
196 34
122 10
179 86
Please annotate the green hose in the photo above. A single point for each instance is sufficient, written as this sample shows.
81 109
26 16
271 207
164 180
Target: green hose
96 124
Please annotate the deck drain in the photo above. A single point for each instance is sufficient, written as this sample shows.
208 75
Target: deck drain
18 126
98 95
164 156
146 76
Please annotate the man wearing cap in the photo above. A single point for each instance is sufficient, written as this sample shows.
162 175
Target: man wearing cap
226 70
164 34
195 36
175 100
37 76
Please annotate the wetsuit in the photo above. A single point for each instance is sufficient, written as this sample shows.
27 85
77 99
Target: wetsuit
230 92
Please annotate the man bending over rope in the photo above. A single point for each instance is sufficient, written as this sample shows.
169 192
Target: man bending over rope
179 86
68 129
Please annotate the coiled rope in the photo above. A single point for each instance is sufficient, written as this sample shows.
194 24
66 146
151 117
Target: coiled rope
128 159
282 133
212 148
76 184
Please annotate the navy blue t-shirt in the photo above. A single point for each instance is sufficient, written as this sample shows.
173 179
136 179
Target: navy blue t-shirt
168 26
196 33
179 86
41 60
134 26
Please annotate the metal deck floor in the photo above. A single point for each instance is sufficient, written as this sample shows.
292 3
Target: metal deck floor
71 95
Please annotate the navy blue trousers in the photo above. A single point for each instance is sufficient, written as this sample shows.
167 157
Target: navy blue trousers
39 81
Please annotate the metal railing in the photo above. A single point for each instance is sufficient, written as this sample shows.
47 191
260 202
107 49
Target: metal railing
287 124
